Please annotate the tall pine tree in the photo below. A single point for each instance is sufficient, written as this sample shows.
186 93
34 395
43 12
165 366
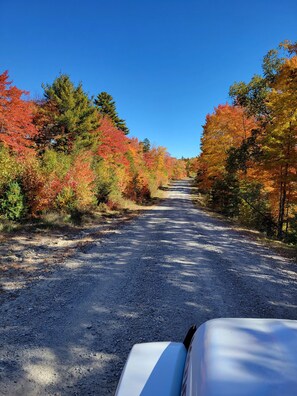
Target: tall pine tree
106 106
74 115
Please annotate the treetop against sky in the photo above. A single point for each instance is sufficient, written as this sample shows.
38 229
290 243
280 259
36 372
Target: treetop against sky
166 63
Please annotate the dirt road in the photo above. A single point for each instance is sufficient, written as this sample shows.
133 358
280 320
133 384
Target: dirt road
175 265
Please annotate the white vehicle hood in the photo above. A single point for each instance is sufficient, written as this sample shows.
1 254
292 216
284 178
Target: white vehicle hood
242 357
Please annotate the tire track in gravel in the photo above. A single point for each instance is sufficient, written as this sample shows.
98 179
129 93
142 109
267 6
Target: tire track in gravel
171 267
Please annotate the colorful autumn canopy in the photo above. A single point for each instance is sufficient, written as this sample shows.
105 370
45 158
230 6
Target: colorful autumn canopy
68 154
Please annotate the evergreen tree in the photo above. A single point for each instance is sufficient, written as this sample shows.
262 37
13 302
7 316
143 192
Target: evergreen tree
74 116
106 106
12 203
252 96
146 145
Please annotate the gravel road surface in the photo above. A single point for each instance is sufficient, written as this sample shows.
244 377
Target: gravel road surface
173 266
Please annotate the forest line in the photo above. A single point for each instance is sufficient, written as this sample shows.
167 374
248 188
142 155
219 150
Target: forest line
247 168
70 154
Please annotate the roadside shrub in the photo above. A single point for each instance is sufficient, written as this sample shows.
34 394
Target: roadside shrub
67 203
254 208
10 168
152 185
291 234
109 183
115 200
54 167
104 188
103 181
224 195
66 200
12 204
75 192
138 190
53 162
33 183
83 178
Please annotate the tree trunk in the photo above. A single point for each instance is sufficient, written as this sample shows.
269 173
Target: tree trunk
282 202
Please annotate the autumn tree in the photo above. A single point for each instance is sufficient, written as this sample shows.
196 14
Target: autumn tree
16 114
106 106
280 140
271 98
252 96
191 166
113 143
227 127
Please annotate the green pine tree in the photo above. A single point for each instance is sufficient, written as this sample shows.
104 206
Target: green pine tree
75 116
146 145
12 203
106 106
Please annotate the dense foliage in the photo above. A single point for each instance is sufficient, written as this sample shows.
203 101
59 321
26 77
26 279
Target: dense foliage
248 162
68 154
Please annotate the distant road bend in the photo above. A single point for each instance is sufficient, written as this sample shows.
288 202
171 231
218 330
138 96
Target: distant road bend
173 266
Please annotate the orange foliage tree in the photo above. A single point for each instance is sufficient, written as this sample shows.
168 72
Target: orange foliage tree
227 127
16 128
280 140
254 157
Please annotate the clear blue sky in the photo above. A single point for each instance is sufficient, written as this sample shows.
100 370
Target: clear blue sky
167 63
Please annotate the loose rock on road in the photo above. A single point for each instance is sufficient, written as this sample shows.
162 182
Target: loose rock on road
171 267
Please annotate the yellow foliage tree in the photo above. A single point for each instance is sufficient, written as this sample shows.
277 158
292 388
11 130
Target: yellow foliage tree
280 140
227 127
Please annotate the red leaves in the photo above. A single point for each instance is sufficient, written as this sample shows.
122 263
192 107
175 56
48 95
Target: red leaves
227 127
113 143
48 190
74 179
16 115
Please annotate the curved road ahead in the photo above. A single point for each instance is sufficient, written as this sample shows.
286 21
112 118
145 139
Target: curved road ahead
171 267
